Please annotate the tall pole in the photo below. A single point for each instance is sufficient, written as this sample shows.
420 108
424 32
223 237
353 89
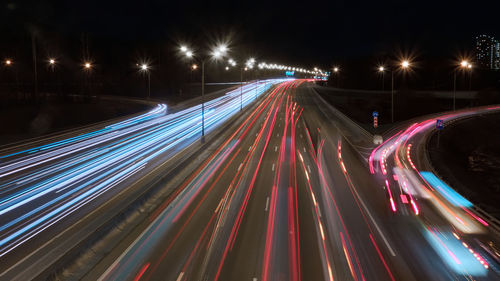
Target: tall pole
454 88
33 49
203 98
470 79
149 84
241 88
383 80
392 96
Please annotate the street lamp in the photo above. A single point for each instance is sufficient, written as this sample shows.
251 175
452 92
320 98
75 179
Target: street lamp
217 53
87 67
404 65
336 71
381 69
145 69
8 62
463 66
469 67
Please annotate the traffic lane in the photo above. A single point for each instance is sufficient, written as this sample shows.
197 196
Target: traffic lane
382 215
251 249
407 232
24 215
458 221
246 256
152 270
346 223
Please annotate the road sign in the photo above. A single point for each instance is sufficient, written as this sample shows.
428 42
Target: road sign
375 114
439 124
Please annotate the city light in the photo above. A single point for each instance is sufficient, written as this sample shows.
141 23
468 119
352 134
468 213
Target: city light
464 63
217 54
219 51
184 49
194 67
144 67
87 65
8 62
189 54
222 49
405 64
381 69
52 61
335 69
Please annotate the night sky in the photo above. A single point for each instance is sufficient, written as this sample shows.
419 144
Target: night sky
305 32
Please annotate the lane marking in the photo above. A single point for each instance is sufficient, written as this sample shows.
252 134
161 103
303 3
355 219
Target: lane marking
309 168
267 204
272 168
250 148
180 276
319 211
278 134
240 166
275 148
375 224
304 149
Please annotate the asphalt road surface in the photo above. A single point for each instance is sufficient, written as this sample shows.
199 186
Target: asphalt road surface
47 187
296 193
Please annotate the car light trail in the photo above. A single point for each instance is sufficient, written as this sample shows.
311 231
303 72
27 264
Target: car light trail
68 174
450 194
456 254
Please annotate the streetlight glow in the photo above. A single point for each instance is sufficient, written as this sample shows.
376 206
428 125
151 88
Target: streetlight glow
144 67
87 65
381 69
52 61
405 64
8 62
464 63
222 49
188 53
217 54
184 49
194 66
335 69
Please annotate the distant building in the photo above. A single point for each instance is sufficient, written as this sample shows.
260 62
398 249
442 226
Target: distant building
488 52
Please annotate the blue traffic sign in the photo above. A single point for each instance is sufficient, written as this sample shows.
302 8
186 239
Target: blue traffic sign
375 114
439 124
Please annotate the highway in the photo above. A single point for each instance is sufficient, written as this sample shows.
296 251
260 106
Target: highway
294 194
296 191
48 187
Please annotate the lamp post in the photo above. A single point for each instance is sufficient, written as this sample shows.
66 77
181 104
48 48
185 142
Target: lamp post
469 67
404 65
87 68
146 69
193 68
381 69
336 71
463 65
217 53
